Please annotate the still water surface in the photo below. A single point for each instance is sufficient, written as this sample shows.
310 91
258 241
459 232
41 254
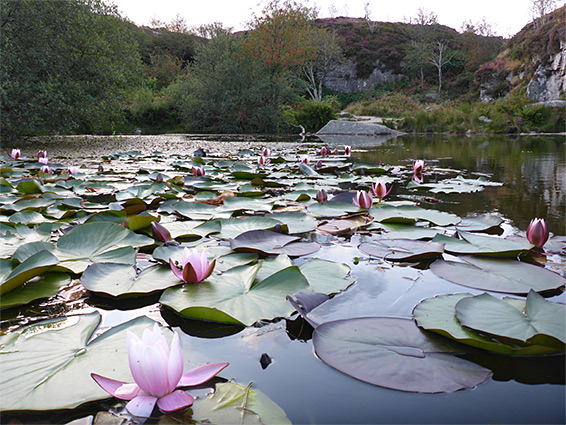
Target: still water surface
522 390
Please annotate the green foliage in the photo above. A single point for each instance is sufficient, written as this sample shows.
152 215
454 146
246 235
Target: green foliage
313 115
66 66
393 105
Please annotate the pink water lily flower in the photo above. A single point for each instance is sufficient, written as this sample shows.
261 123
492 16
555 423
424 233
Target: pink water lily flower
41 154
418 177
380 190
266 152
263 160
15 154
305 159
195 268
198 171
537 233
418 166
363 199
46 170
157 370
321 196
74 170
43 160
323 151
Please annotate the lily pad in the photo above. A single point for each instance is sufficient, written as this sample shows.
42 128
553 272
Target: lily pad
483 223
272 243
234 297
469 243
35 265
233 403
541 322
326 276
123 280
232 228
438 315
332 209
395 353
410 214
344 225
403 249
44 286
498 275
296 222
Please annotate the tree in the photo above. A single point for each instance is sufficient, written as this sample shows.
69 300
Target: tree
540 8
480 44
372 25
439 57
66 66
326 54
422 36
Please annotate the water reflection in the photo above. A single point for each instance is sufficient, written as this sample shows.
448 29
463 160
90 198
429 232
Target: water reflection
532 170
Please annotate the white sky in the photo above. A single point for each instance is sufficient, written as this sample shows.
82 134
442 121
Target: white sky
506 16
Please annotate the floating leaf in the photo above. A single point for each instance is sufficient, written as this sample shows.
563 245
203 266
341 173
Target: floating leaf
233 403
483 223
35 265
44 286
344 225
403 249
438 315
498 275
326 276
296 222
541 322
410 214
470 243
233 297
272 243
232 228
395 353
332 209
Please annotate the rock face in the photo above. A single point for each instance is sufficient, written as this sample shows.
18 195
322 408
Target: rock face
354 128
343 78
549 79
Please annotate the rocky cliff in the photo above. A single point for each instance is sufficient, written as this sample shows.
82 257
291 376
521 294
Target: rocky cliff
534 60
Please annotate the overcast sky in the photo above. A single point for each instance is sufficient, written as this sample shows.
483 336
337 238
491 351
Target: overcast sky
506 16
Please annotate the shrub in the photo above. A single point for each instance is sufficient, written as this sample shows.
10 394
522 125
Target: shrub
312 115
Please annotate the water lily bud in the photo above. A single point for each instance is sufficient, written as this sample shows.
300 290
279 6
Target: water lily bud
41 154
73 170
363 199
347 150
100 168
380 190
537 233
323 151
321 196
159 232
263 160
159 178
266 152
15 153
43 160
46 170
305 159
418 178
318 164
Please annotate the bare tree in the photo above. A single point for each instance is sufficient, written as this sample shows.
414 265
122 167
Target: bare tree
439 57
540 8
372 25
326 53
333 10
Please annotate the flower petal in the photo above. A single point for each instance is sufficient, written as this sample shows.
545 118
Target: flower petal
175 364
190 274
208 272
108 385
128 391
201 374
176 271
141 407
174 401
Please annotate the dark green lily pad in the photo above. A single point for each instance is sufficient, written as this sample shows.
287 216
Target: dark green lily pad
332 209
395 353
498 275
234 297
410 214
272 243
12 278
483 223
296 222
438 315
470 243
403 250
44 286
541 322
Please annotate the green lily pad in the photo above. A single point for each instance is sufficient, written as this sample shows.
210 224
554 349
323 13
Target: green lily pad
35 265
233 403
40 373
541 322
200 211
395 353
232 228
481 223
272 243
470 243
296 222
498 275
332 209
123 280
403 250
44 286
244 203
410 214
326 276
438 315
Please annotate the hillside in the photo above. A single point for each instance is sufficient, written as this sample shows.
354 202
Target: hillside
534 60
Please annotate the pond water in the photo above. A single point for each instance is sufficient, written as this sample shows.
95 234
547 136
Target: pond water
532 171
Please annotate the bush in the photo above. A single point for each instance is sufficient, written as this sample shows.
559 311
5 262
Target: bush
394 105
312 115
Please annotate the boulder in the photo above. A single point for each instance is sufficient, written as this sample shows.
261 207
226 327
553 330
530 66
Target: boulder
356 128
